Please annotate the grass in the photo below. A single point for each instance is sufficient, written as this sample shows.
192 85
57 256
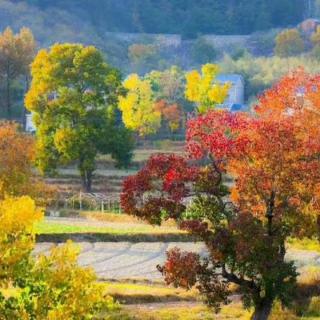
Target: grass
233 311
177 312
45 227
121 218
133 293
304 244
58 232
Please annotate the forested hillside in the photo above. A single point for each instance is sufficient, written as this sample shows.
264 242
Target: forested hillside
160 16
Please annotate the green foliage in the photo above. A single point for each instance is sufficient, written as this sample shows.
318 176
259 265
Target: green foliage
207 16
203 52
16 53
74 95
289 43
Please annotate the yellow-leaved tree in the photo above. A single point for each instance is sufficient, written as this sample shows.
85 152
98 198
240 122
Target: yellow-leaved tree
51 287
17 218
138 107
203 88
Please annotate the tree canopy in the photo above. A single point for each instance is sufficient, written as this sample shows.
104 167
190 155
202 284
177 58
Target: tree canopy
272 158
161 16
74 96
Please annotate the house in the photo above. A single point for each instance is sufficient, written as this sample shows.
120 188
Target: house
235 99
30 127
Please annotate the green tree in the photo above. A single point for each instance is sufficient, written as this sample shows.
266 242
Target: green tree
289 43
16 54
74 95
203 52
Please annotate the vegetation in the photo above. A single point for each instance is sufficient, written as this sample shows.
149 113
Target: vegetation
155 102
274 197
247 184
289 43
261 73
45 227
16 54
222 17
133 293
16 160
74 95
138 109
46 287
204 90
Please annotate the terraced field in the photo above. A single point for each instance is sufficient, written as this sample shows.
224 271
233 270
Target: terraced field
138 261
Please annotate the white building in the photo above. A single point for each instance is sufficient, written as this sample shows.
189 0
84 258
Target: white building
235 99
30 127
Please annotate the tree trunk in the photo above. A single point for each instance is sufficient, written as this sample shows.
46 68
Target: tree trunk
8 96
263 310
87 180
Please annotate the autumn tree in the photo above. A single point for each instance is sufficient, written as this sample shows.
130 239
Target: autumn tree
171 114
49 286
168 88
16 166
273 160
289 43
74 96
16 54
204 90
16 156
138 106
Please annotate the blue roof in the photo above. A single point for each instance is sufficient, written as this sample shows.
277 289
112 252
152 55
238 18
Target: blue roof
236 107
230 77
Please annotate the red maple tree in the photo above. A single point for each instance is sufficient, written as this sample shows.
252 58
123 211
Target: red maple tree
271 161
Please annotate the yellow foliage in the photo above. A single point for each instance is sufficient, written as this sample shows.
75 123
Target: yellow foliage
51 287
17 218
138 107
204 90
75 287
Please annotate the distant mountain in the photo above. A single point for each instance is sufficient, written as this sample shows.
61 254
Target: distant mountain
75 18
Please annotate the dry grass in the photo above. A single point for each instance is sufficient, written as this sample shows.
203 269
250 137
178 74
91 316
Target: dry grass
132 293
176 312
120 218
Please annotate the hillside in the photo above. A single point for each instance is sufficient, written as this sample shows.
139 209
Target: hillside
90 19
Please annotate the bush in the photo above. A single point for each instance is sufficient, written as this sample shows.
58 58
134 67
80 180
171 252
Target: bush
51 287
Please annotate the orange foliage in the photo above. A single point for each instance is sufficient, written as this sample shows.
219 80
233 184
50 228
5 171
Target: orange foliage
170 112
16 160
274 154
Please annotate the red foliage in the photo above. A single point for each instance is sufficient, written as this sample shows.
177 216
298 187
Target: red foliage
181 268
160 186
263 155
213 134
273 160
